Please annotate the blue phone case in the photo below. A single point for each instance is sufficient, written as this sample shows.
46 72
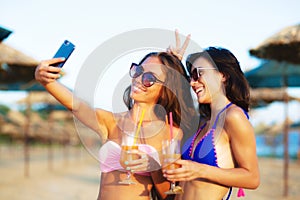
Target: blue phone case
65 51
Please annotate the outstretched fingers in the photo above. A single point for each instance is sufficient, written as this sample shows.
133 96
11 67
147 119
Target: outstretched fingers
185 44
177 38
179 50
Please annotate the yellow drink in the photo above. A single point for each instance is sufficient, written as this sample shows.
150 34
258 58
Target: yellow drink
128 156
168 161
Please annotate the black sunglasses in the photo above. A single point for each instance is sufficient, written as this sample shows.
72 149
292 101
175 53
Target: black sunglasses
148 78
197 73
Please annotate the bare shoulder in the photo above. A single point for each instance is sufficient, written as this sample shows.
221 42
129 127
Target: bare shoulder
235 114
236 121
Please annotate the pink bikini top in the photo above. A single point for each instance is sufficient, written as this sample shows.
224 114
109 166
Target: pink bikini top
110 152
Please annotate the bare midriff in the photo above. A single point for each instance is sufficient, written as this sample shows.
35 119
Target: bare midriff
202 190
111 189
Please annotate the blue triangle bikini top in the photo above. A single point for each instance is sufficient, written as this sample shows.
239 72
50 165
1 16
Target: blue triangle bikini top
205 151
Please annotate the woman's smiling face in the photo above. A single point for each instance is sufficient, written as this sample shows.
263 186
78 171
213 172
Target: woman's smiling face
209 82
150 94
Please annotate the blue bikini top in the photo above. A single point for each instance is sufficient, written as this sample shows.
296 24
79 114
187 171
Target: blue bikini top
205 151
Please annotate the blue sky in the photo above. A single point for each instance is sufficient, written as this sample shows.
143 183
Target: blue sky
39 27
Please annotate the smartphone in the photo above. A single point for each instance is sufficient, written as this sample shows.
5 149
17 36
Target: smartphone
65 51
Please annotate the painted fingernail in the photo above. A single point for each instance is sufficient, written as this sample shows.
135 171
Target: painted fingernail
128 168
126 162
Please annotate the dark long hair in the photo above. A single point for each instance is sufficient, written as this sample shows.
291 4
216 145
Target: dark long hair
175 96
236 85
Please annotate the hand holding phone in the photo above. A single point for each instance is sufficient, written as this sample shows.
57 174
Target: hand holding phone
65 51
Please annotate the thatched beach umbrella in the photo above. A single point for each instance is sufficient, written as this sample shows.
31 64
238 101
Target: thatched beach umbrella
283 47
39 97
4 33
274 74
11 130
264 96
46 131
13 124
17 73
16 70
14 57
16 117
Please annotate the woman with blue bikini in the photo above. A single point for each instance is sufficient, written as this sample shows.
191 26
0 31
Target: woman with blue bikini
222 153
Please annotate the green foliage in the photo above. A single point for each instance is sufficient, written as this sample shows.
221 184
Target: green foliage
44 114
4 109
5 139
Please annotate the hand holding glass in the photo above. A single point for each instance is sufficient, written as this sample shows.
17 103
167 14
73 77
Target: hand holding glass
128 144
171 153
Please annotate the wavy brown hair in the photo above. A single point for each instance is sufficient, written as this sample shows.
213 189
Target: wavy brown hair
236 85
175 96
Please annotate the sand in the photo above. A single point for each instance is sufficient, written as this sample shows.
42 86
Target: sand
76 176
73 177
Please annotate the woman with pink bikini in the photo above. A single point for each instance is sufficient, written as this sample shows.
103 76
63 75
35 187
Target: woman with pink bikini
159 86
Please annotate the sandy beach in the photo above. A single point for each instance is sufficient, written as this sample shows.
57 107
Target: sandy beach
76 176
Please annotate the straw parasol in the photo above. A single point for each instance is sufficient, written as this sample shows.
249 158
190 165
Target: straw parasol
284 47
39 97
263 96
57 128
11 130
17 73
13 57
16 69
274 74
4 33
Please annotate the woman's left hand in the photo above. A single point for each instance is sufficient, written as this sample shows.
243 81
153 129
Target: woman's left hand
189 170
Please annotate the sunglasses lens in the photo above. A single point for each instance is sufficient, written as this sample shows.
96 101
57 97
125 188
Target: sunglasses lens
135 70
148 79
194 74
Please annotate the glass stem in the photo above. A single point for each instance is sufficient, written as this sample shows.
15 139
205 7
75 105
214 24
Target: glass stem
172 185
128 175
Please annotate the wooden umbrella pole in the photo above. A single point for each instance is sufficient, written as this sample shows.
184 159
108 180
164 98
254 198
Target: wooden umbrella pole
26 138
50 132
286 150
286 139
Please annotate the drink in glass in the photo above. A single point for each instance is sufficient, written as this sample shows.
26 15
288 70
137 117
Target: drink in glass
171 153
169 160
128 144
